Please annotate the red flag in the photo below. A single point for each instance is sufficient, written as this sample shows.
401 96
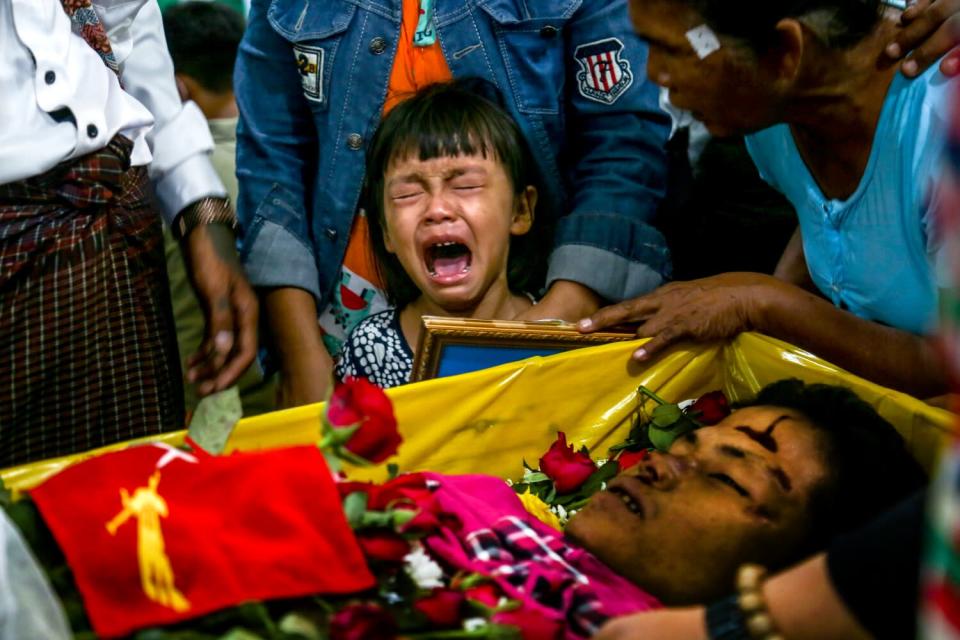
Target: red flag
155 535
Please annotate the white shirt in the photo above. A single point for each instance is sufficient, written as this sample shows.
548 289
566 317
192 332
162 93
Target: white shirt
47 69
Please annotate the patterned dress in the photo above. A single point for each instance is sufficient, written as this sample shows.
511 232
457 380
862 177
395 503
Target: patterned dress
376 350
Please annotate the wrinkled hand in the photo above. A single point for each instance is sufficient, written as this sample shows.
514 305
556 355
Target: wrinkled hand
930 28
712 308
565 300
663 624
229 305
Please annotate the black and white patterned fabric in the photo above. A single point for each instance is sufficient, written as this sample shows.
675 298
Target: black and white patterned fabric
376 350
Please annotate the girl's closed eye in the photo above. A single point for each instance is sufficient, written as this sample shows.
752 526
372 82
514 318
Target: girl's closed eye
406 194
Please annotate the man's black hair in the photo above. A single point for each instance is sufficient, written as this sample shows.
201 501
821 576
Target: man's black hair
203 38
839 23
462 117
870 468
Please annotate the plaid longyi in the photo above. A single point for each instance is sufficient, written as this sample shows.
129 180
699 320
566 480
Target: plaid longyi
88 352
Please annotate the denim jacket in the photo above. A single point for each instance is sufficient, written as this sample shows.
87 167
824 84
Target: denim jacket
311 80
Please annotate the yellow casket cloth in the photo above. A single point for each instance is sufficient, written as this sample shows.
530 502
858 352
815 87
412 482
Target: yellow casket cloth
491 420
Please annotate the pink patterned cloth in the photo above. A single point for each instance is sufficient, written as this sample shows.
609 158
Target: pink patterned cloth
529 560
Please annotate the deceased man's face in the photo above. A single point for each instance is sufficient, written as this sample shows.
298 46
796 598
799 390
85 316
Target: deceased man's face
679 524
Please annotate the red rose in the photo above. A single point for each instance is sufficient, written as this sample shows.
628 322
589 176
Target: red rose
408 489
363 621
628 459
710 408
532 625
360 402
488 594
567 468
383 546
442 607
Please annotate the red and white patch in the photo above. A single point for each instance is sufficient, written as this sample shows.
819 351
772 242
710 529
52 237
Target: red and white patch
604 75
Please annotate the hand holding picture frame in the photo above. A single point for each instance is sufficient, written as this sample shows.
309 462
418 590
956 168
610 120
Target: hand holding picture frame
451 346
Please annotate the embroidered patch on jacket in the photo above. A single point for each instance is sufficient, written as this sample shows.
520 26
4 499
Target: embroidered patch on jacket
604 75
310 65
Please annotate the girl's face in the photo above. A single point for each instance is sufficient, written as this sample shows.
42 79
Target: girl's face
449 222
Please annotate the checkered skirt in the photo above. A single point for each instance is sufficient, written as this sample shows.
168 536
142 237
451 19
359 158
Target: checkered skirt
88 351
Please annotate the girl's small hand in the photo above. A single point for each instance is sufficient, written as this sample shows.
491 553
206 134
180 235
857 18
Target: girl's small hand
712 308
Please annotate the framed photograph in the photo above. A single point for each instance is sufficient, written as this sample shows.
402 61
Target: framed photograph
451 346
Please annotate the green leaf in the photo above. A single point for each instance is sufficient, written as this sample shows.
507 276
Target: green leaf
662 439
402 516
333 462
601 475
376 519
299 625
214 420
551 494
533 477
354 506
666 415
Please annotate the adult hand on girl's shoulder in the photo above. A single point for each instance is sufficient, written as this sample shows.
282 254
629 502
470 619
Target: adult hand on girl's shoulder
930 30
712 308
565 300
669 624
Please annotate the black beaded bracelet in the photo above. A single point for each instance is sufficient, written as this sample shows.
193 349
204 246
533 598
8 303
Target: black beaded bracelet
725 620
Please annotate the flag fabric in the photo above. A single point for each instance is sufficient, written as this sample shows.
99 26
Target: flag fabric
155 535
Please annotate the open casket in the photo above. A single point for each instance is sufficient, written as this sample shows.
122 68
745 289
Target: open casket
489 421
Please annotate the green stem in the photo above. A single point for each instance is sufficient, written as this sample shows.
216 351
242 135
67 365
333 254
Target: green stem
650 394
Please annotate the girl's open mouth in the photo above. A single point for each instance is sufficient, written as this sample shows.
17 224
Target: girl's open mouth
448 262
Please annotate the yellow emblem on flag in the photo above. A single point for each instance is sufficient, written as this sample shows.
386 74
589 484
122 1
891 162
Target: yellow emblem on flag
156 573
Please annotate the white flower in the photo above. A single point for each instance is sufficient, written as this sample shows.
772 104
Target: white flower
474 624
422 569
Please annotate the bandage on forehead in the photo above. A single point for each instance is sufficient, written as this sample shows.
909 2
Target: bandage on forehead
703 40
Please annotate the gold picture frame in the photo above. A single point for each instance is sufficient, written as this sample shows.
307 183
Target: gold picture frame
450 346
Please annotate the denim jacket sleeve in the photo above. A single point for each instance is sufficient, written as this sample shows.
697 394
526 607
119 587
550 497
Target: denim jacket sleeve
617 159
276 151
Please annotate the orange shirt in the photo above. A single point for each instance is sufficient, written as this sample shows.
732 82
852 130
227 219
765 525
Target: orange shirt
413 68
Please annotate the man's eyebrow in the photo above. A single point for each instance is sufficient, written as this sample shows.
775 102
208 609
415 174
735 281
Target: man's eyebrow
764 438
781 477
731 451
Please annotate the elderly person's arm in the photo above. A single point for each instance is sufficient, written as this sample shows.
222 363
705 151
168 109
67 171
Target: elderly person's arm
722 306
